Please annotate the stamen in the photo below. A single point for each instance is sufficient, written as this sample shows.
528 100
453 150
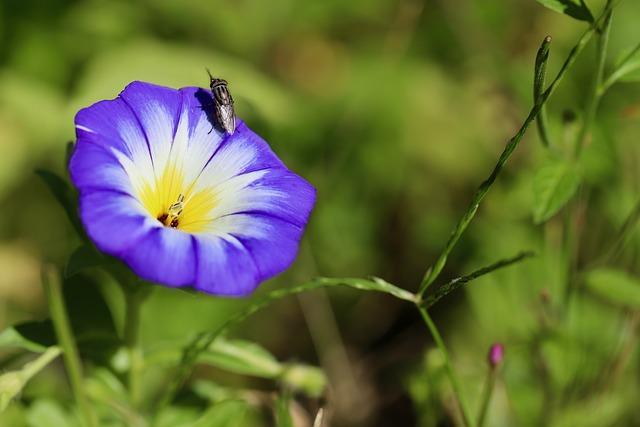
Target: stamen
176 208
171 218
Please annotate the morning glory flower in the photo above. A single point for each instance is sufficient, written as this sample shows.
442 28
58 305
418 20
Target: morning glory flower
181 202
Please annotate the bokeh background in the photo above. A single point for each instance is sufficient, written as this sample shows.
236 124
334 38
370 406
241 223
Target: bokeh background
395 111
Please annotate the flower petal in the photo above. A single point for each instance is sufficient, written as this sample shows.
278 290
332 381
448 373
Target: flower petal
225 267
157 109
120 133
235 263
96 167
114 221
164 255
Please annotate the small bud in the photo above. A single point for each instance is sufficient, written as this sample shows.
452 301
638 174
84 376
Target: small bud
496 354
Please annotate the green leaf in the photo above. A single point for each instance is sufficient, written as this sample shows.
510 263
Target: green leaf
47 412
86 256
203 341
12 382
627 67
242 357
456 283
31 336
309 379
283 416
553 186
64 194
231 413
615 286
576 9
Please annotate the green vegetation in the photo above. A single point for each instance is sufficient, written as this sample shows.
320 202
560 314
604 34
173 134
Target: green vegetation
396 111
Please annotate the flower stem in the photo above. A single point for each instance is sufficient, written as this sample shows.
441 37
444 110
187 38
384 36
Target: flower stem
455 384
53 290
595 95
134 298
486 396
570 229
433 272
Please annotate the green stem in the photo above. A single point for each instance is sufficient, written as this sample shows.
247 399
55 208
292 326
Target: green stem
433 272
134 298
595 95
486 396
53 291
571 231
203 340
455 384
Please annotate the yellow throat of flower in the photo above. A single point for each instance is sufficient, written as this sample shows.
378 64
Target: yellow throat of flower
177 204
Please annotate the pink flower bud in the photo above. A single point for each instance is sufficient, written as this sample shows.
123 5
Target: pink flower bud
496 354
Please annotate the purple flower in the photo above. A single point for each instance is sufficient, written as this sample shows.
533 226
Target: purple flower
181 203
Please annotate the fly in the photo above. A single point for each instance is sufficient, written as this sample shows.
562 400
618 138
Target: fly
222 104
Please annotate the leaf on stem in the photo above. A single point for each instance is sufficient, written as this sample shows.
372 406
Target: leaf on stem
539 75
248 358
64 194
615 286
31 336
553 186
242 357
12 382
309 379
49 412
202 341
230 413
456 283
85 256
576 9
627 68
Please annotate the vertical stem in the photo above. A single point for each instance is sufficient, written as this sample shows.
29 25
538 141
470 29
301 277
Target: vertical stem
455 384
134 298
434 271
486 396
53 290
570 230
595 95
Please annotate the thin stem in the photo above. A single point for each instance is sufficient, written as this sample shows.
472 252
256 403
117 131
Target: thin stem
53 290
203 340
571 231
134 300
433 272
595 95
486 396
455 384
623 235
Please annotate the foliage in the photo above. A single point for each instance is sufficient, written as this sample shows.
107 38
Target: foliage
395 111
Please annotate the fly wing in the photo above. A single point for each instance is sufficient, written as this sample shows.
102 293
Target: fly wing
227 118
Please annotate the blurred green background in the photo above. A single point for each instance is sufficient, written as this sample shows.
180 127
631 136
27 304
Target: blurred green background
395 111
